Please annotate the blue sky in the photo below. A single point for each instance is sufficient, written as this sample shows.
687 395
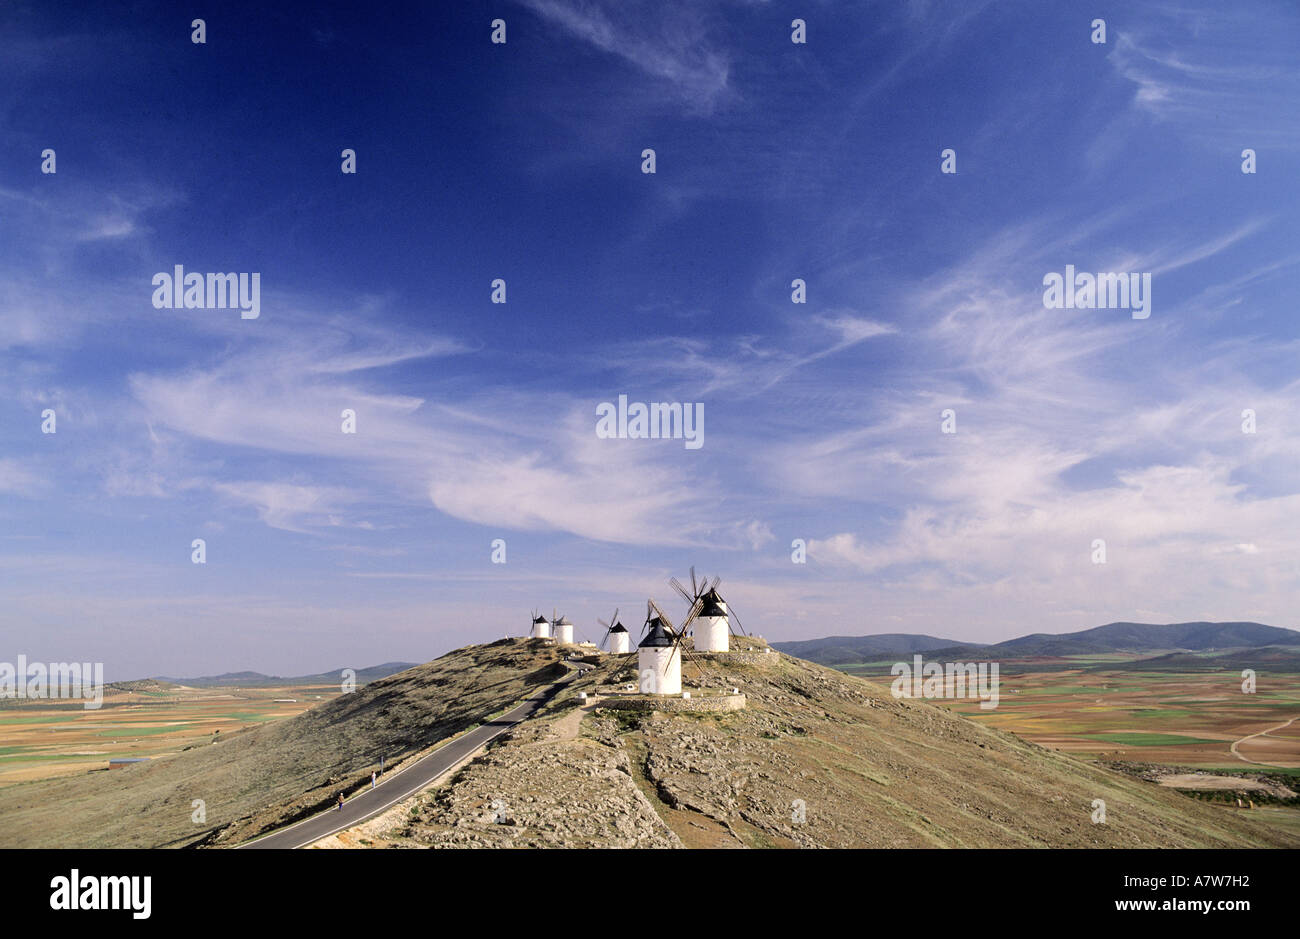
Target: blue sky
476 420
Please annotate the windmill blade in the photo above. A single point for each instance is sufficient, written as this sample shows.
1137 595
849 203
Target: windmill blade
692 613
695 588
695 660
677 585
678 643
716 581
608 627
662 615
731 615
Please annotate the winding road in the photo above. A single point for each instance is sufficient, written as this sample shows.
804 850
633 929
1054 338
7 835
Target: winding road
407 781
1237 753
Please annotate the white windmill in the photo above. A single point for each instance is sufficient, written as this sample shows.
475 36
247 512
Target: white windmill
712 625
541 627
616 639
659 656
564 631
657 660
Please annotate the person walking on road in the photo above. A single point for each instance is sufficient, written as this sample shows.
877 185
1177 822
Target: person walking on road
340 802
372 779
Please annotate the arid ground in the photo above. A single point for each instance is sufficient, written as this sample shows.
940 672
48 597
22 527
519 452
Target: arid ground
818 758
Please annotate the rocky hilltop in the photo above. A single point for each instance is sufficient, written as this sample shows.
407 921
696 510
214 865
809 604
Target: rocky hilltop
816 759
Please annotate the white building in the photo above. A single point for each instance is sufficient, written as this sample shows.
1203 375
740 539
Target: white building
620 643
563 631
659 661
541 628
712 632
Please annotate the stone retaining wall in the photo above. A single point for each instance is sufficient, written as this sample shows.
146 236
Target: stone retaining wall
742 658
713 703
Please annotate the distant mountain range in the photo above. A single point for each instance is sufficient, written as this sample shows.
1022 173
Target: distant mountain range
364 675
1113 637
846 650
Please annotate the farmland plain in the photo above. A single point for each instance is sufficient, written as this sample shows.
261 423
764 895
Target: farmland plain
140 719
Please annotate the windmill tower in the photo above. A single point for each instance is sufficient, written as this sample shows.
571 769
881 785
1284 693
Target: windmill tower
659 656
616 639
541 628
712 624
564 631
657 659
712 633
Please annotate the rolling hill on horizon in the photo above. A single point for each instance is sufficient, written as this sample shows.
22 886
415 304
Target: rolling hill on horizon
372 673
1112 637
846 650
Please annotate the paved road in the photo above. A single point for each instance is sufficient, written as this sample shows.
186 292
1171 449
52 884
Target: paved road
402 784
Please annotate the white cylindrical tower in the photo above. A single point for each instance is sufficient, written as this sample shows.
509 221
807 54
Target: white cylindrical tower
564 631
541 628
659 661
620 643
712 632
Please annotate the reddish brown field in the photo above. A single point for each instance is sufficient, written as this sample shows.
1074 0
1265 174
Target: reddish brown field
1194 719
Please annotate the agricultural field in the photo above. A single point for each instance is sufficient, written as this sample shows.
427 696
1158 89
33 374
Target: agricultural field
46 739
1094 708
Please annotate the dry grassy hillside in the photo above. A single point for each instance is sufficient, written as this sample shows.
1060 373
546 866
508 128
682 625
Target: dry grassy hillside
265 776
871 771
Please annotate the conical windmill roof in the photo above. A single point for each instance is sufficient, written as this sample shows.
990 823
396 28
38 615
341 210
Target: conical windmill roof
658 636
617 628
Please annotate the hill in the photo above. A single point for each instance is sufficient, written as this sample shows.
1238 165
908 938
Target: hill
1100 640
1141 637
269 774
251 679
142 685
866 769
1266 658
848 650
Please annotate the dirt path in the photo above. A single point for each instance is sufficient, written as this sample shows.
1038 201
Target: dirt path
1237 753
566 728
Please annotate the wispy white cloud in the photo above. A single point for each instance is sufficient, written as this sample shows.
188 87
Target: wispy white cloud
1232 81
667 43
506 459
288 506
